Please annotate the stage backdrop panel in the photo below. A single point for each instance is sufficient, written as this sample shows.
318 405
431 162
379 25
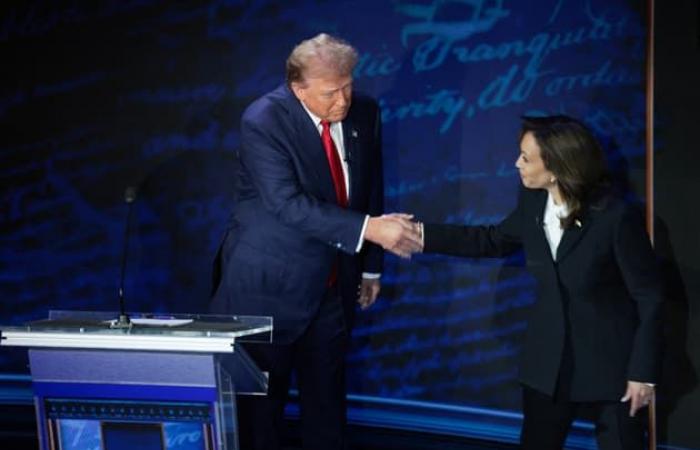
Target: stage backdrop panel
98 97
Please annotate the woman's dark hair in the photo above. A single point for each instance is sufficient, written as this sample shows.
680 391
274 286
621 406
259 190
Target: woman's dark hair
571 152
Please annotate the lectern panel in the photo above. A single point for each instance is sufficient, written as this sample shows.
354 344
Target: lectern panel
161 383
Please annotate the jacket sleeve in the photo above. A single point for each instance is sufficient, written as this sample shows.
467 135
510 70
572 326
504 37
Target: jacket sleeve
265 154
637 262
477 241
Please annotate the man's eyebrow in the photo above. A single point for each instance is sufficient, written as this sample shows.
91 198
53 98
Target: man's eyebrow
349 83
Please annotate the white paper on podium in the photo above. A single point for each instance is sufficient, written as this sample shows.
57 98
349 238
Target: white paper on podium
161 322
167 322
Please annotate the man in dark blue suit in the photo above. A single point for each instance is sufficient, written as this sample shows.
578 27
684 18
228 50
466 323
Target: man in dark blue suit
306 236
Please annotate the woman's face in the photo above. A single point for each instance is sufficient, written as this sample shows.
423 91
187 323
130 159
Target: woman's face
533 173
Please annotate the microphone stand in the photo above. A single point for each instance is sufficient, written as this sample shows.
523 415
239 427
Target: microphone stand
124 322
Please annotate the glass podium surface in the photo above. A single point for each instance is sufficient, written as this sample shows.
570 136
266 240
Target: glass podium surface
164 332
165 379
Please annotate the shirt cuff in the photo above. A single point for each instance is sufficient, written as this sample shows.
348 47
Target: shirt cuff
645 383
371 276
362 235
422 236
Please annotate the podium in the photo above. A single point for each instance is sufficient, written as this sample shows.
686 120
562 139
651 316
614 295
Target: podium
166 382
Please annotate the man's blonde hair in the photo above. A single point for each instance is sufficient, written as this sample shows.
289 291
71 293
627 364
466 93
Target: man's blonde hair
334 55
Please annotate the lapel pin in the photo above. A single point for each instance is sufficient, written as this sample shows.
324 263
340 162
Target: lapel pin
354 133
577 223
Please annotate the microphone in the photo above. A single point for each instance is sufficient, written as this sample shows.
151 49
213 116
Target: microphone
124 321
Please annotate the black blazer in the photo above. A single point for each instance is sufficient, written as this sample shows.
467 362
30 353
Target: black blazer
598 305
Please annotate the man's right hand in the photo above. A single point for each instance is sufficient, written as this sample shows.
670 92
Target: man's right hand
395 233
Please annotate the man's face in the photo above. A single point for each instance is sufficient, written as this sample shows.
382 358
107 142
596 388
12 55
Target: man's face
326 94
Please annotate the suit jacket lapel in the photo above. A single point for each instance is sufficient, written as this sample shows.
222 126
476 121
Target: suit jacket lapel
350 135
540 203
572 235
311 147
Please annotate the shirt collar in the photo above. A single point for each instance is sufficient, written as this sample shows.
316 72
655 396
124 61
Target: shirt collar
314 117
560 210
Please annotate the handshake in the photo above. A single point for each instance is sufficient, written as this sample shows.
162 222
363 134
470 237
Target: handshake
397 233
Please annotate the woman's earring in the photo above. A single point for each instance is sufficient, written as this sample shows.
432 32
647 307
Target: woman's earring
552 180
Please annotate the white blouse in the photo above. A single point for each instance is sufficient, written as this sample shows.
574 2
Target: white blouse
552 224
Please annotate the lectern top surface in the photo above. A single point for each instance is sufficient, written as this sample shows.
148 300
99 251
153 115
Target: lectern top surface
100 323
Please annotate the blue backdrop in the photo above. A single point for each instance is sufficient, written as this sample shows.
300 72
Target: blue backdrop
100 96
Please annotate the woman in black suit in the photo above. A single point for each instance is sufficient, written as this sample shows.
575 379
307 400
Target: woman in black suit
593 334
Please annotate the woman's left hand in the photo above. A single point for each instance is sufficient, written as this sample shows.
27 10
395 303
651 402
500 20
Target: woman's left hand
639 395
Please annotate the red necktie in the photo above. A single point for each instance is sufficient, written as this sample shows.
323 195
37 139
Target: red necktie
334 163
338 181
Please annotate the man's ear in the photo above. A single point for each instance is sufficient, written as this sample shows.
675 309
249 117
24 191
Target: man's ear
298 89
